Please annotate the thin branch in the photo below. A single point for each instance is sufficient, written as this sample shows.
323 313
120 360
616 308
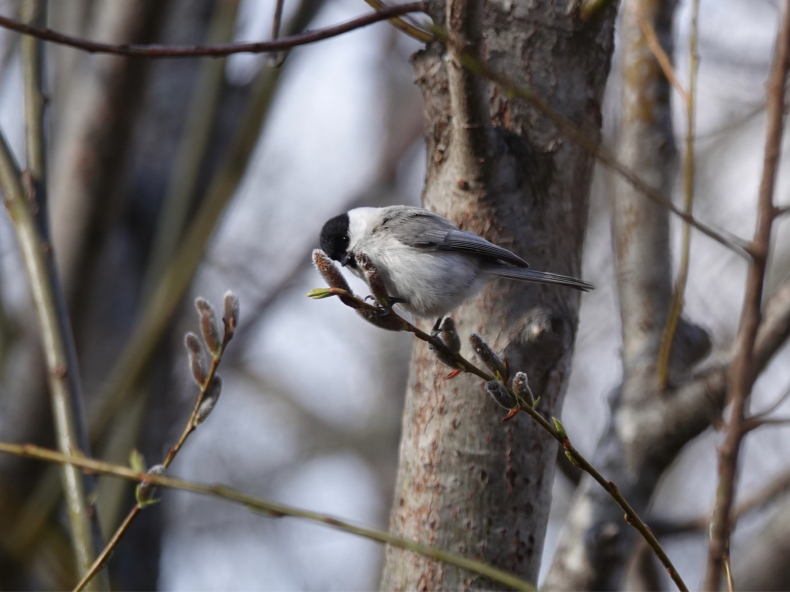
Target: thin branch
276 59
728 572
267 508
277 19
782 398
676 306
25 200
403 25
393 322
108 549
601 153
225 49
742 372
208 382
752 423
661 56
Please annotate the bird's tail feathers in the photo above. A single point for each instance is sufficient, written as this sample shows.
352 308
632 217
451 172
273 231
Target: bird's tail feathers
542 277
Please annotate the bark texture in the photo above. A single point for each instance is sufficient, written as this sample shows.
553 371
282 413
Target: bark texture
467 482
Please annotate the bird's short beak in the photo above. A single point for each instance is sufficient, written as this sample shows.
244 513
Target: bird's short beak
344 259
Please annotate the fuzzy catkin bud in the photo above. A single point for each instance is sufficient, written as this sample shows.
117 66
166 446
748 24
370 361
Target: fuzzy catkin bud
500 394
230 302
487 355
373 278
449 335
145 490
521 388
208 325
209 400
197 361
444 356
329 271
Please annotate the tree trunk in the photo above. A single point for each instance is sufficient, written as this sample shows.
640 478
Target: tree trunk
467 482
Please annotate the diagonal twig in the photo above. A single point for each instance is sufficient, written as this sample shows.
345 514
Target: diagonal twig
207 383
600 152
267 508
393 322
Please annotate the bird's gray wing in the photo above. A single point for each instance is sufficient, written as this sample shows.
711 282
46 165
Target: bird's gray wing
424 229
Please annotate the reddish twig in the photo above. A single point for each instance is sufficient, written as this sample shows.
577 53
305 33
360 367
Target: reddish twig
224 49
742 372
448 356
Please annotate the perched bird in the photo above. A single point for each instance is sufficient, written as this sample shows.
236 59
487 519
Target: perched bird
428 265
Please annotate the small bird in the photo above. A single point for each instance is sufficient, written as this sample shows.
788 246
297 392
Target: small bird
428 265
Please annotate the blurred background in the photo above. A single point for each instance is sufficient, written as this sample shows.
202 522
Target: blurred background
242 163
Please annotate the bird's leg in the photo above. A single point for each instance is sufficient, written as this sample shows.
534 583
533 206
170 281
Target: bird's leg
385 309
436 326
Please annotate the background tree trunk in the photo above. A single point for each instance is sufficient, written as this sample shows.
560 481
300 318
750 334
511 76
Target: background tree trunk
466 482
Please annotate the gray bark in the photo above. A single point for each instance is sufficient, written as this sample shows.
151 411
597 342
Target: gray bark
467 482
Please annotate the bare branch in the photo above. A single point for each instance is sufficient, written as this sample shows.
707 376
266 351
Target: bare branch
601 153
742 372
275 60
265 507
25 200
676 307
195 51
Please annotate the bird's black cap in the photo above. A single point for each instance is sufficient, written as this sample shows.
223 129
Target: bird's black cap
334 237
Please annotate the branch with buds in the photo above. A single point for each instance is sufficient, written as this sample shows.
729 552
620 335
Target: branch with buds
210 385
514 395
